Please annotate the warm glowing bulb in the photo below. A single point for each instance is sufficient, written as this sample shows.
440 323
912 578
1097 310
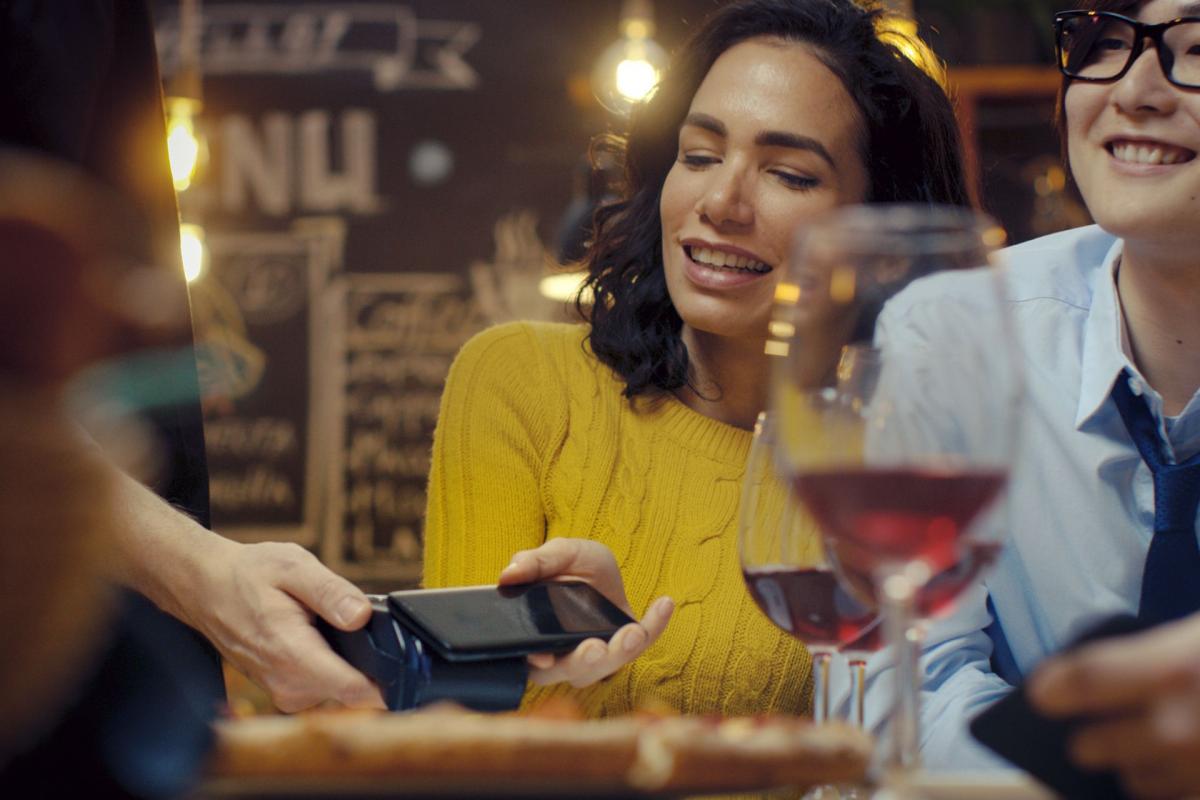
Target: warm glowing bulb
627 73
183 145
563 286
636 78
191 245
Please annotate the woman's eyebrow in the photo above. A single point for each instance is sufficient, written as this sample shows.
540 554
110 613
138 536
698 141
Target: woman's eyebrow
794 141
764 138
708 123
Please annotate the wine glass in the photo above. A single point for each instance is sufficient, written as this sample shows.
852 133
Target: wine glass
787 574
891 434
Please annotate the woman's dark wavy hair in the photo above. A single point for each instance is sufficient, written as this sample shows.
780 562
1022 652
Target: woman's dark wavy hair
911 147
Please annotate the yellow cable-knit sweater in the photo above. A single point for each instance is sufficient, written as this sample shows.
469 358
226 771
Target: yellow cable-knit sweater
535 441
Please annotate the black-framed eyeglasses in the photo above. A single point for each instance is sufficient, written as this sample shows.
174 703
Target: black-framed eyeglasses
1102 46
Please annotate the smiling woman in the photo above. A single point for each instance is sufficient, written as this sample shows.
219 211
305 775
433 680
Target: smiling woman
881 131
613 451
771 140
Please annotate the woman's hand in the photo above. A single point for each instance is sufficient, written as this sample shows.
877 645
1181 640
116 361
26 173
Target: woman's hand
1143 695
592 562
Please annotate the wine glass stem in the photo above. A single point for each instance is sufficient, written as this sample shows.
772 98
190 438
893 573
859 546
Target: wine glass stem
858 677
899 597
821 659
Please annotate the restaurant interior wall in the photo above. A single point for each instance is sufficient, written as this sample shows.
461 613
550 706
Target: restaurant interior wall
386 177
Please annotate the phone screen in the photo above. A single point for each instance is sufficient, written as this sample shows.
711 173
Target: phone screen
479 622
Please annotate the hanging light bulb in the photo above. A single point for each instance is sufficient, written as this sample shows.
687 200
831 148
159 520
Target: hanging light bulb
629 69
636 76
184 146
191 246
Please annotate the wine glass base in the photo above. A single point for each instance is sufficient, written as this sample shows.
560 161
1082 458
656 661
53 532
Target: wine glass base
840 792
995 785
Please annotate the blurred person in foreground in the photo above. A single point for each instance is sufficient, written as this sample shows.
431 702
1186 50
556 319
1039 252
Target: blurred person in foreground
1104 495
90 679
80 83
613 451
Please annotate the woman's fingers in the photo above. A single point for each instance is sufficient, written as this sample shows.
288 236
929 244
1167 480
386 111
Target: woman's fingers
593 660
580 559
555 558
541 660
657 617
583 666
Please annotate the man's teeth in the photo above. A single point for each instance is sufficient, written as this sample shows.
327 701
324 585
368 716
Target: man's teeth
1151 154
717 258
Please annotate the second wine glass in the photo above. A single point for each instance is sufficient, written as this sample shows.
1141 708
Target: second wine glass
791 580
891 436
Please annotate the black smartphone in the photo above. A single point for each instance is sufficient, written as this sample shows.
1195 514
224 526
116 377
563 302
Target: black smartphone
1038 744
476 623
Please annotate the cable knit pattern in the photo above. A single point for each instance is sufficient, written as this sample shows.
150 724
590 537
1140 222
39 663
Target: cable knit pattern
535 441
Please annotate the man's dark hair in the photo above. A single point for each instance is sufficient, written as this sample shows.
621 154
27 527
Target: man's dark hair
910 146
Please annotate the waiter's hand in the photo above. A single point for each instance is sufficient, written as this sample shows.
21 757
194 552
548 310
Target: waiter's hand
592 562
254 602
257 605
1144 691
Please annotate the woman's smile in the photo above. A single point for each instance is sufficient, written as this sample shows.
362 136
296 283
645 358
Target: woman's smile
718 267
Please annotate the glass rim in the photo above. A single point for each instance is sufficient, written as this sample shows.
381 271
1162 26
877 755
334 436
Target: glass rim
907 228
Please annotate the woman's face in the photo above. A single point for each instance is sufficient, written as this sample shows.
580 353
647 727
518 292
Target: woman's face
771 139
1133 143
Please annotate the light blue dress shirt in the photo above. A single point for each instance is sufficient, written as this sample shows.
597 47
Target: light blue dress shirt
1080 503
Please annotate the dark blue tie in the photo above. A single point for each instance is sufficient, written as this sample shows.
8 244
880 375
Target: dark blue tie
1171 578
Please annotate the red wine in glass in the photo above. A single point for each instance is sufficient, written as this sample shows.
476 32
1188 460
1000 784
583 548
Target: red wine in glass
873 517
938 594
810 604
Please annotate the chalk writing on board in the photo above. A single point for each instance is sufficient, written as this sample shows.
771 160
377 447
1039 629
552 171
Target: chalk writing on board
395 337
255 324
313 162
387 41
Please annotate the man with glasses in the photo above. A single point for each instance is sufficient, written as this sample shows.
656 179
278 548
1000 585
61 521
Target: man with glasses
1102 45
1105 494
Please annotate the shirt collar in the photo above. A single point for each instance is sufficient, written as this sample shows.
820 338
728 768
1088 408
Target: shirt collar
1105 345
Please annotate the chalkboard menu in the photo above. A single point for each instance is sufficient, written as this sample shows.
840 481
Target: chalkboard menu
257 317
394 337
381 177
